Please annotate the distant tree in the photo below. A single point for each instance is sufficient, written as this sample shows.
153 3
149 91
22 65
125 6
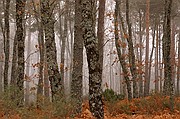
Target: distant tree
178 68
121 57
6 43
64 39
147 82
91 45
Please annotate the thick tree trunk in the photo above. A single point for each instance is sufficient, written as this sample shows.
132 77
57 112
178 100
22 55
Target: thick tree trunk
6 43
91 45
48 26
121 58
20 9
168 83
76 83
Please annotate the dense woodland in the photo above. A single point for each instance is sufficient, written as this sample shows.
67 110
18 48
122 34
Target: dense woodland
71 51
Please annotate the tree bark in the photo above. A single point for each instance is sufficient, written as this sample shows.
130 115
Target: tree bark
27 91
91 45
20 9
121 58
168 83
48 26
156 61
64 41
147 80
6 43
132 60
76 83
140 55
100 31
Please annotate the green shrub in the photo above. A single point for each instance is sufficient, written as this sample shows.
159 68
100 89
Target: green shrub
111 96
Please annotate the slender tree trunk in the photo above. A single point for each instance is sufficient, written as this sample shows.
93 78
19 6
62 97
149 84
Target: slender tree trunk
20 9
140 56
178 68
147 80
131 54
121 58
27 93
6 43
48 26
1 68
156 61
91 45
152 51
160 62
100 31
172 54
64 42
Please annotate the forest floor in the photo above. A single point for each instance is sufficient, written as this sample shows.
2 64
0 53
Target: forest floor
153 107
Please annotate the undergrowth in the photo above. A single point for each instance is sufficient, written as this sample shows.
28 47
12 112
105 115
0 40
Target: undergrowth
41 109
154 104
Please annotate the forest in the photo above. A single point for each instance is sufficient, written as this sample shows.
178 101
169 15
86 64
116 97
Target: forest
90 59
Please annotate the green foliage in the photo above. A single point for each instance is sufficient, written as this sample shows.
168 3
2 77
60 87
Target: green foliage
43 108
111 96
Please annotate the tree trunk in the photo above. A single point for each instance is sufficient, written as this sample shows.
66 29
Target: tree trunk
76 83
178 68
147 80
131 54
48 26
20 9
14 63
172 54
6 44
121 58
168 83
27 93
64 42
140 56
100 31
160 62
91 45
1 67
156 61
